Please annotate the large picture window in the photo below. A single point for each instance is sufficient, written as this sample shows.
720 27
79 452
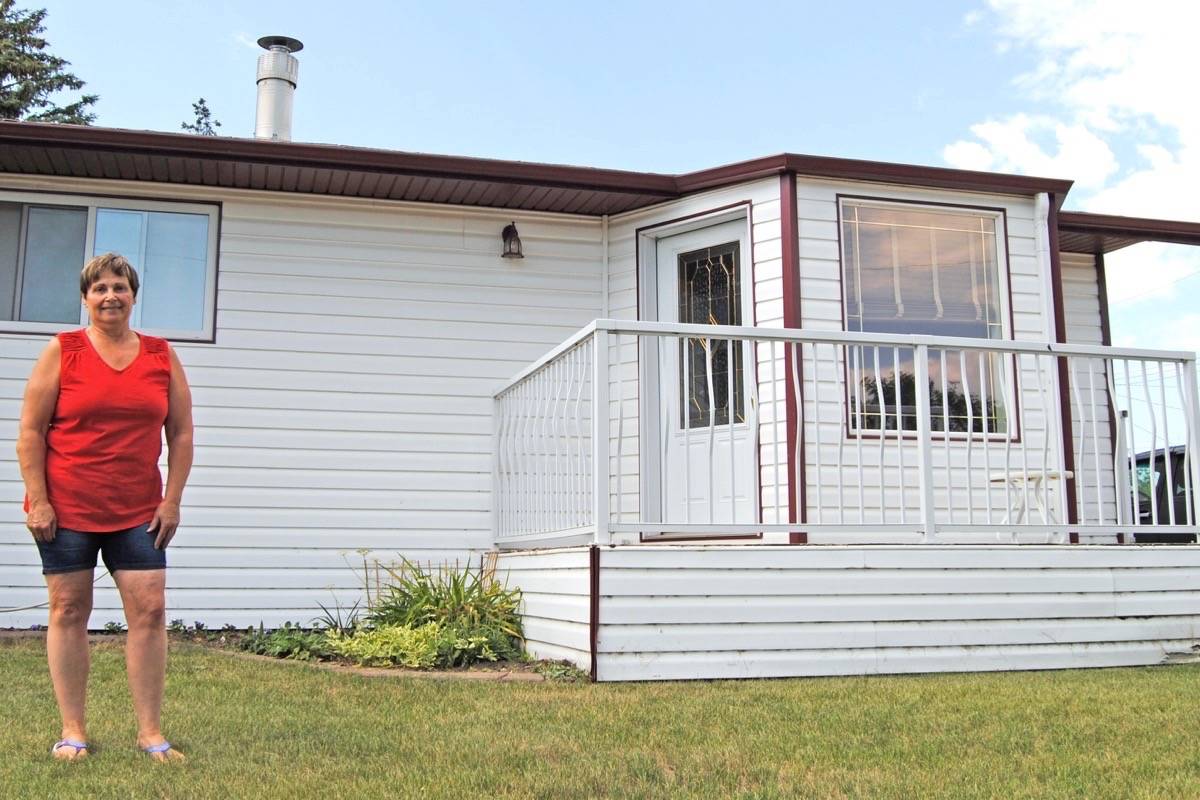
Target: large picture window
934 271
45 240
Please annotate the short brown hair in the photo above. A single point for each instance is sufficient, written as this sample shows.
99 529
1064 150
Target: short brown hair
109 262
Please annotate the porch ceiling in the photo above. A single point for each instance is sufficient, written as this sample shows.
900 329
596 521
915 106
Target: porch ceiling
91 152
1079 232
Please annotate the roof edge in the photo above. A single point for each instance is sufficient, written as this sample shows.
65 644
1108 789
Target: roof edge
1141 228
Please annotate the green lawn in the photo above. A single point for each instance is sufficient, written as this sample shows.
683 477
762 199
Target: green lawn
288 730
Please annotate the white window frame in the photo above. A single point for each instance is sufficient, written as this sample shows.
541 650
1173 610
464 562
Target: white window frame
95 202
1003 269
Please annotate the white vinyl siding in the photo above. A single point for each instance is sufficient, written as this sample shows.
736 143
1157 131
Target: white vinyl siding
1090 418
727 611
346 404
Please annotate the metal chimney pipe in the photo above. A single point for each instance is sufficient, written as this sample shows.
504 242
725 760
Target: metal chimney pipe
278 71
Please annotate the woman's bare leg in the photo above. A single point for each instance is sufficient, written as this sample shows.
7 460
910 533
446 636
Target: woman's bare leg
67 653
142 594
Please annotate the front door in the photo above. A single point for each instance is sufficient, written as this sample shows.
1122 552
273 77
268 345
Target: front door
709 470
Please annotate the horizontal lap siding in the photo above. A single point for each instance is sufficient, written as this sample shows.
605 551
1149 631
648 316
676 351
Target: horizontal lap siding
555 606
733 612
1090 408
346 404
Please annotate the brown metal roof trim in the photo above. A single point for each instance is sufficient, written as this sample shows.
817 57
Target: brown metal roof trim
91 152
1080 232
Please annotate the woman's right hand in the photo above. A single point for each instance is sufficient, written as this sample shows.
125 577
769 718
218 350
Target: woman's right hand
42 522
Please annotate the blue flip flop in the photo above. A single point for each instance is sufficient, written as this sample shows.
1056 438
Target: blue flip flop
156 748
78 745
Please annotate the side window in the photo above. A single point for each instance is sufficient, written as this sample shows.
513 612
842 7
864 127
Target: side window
44 243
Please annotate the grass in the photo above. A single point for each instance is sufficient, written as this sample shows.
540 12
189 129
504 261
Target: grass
255 729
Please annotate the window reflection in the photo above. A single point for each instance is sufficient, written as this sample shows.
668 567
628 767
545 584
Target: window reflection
934 272
710 294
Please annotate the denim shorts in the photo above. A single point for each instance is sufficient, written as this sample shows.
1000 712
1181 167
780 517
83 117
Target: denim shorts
72 551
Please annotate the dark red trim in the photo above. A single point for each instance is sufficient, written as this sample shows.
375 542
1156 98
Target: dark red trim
625 189
1064 396
593 606
1102 286
789 231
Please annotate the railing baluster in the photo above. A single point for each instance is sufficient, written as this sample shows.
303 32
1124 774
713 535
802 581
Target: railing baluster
860 376
798 453
962 374
1045 386
620 369
1120 484
900 432
1153 445
750 379
712 429
1010 391
882 397
1133 478
1167 468
1021 408
1095 443
797 358
1081 487
841 444
1192 415
730 362
946 438
686 408
668 346
776 408
924 445
1188 427
985 413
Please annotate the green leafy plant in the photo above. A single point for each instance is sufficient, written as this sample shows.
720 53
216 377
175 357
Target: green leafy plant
290 641
463 598
561 672
389 645
336 620
113 628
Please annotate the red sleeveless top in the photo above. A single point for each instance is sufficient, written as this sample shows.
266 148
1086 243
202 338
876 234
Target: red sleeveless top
105 438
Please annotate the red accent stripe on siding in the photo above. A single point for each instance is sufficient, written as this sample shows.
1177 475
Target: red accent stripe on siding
789 229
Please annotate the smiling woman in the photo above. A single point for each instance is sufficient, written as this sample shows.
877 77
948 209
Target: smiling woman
90 438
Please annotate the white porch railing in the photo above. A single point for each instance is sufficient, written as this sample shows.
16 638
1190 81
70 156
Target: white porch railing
632 430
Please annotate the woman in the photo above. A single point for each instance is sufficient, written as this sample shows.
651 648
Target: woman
89 443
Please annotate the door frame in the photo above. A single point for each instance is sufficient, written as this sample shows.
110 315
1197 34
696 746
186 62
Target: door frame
646 240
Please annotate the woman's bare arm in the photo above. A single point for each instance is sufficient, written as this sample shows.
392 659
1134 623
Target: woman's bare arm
179 454
41 396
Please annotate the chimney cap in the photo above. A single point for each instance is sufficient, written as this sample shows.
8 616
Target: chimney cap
292 45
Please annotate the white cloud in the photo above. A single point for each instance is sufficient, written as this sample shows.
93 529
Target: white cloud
1011 145
1110 77
1115 73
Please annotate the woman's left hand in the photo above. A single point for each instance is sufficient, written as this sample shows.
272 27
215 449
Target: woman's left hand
165 522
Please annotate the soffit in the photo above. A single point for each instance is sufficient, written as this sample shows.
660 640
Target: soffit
91 152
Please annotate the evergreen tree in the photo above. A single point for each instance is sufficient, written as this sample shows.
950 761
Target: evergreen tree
30 76
204 125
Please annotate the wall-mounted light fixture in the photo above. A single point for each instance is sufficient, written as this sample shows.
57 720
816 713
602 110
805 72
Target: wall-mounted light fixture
512 242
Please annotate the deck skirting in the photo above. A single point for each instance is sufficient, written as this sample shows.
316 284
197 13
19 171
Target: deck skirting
757 611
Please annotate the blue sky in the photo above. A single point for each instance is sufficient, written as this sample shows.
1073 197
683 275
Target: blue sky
1092 91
